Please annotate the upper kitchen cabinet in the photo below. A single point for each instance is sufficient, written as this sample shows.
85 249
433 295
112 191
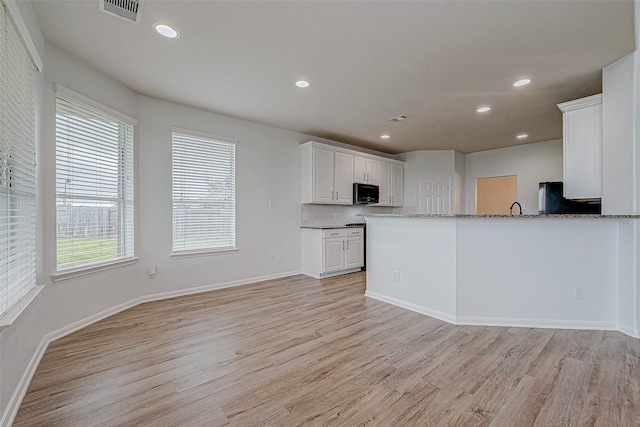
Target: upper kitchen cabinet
582 145
391 181
327 175
365 170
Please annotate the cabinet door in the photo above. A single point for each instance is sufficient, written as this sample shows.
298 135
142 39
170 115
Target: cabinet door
360 169
384 177
372 171
332 255
583 153
343 182
354 252
323 174
397 184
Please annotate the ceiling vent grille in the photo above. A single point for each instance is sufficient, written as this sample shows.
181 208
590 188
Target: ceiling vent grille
129 10
399 118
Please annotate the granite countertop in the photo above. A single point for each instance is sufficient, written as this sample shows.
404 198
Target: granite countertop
330 227
472 216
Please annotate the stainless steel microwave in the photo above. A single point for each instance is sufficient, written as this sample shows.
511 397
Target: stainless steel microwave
364 194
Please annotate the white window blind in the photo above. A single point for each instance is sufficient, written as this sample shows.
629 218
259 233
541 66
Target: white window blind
204 216
94 186
17 167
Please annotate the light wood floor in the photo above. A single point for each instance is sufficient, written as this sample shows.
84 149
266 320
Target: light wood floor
317 352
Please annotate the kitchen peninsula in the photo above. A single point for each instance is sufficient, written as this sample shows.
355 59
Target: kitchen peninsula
561 271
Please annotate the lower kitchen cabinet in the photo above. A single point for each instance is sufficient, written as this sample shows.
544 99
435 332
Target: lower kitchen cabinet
330 252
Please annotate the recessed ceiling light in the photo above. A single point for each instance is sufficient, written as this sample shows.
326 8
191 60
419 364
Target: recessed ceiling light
166 31
385 136
483 109
522 136
303 83
522 82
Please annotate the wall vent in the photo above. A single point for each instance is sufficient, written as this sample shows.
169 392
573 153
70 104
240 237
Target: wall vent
398 118
129 10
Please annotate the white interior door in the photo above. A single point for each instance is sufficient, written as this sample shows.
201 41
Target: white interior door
435 196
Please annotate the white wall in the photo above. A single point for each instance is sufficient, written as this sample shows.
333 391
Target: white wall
618 136
498 271
532 163
267 168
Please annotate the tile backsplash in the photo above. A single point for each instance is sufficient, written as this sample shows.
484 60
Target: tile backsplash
315 215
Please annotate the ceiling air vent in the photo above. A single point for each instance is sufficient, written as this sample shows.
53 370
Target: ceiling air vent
129 10
399 118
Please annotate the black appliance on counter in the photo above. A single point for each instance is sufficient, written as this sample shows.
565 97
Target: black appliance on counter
364 242
551 201
364 194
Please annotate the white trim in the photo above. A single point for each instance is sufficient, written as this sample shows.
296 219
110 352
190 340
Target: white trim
446 317
580 103
10 316
207 252
629 330
198 134
334 273
83 271
82 99
21 390
504 321
538 323
23 30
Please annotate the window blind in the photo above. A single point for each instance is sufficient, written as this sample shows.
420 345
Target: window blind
203 193
17 167
94 186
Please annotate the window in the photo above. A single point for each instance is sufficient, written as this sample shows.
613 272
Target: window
204 209
94 185
17 168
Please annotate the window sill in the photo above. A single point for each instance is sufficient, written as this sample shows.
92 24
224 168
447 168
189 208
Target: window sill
84 271
11 315
178 255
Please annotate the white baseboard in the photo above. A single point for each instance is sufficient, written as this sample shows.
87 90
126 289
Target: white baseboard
519 322
446 317
629 330
501 321
14 404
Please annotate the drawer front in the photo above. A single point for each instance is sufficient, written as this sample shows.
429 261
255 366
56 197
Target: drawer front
355 232
331 233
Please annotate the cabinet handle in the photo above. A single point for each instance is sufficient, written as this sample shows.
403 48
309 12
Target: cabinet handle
343 245
336 194
347 245
332 193
366 175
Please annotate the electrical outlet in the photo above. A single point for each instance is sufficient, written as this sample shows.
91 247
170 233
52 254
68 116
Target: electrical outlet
396 276
523 206
272 258
151 273
578 292
272 204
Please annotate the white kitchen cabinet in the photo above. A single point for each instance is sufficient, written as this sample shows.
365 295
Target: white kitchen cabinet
330 252
391 182
582 147
365 170
327 176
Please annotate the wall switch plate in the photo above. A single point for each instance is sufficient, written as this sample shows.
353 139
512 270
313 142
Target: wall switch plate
396 276
272 258
578 292
272 204
151 273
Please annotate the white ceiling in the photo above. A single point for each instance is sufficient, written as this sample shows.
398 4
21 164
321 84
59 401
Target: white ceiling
367 61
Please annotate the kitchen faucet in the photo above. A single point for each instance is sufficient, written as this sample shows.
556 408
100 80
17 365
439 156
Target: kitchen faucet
511 208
